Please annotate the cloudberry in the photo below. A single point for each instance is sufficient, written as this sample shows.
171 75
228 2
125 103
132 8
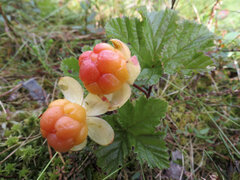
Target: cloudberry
64 125
103 70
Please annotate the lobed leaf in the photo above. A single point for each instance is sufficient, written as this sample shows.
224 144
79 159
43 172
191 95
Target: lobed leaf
112 156
143 117
151 148
135 127
163 42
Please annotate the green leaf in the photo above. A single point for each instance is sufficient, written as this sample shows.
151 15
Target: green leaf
112 156
146 113
230 37
70 67
151 149
204 131
185 49
86 48
135 128
149 76
163 42
140 123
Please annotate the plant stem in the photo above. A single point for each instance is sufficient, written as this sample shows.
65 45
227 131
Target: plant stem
149 91
141 89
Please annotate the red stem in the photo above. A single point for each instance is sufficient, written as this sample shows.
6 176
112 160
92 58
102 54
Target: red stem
149 91
141 89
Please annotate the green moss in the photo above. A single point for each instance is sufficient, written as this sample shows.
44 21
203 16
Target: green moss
3 117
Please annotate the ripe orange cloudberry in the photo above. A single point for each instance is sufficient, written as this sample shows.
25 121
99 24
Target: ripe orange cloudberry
67 122
64 125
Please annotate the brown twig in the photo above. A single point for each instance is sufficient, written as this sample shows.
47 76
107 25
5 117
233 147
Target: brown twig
71 172
8 148
11 90
173 3
84 161
7 177
50 151
191 159
22 144
213 12
60 155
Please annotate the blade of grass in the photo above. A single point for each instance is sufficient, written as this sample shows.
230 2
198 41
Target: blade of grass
226 145
143 176
47 166
224 116
18 51
223 176
221 131
108 176
49 15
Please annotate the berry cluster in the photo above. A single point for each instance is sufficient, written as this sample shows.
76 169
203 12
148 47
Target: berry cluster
103 70
64 125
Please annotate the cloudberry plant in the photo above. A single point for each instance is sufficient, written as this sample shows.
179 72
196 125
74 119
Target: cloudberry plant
64 125
103 70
